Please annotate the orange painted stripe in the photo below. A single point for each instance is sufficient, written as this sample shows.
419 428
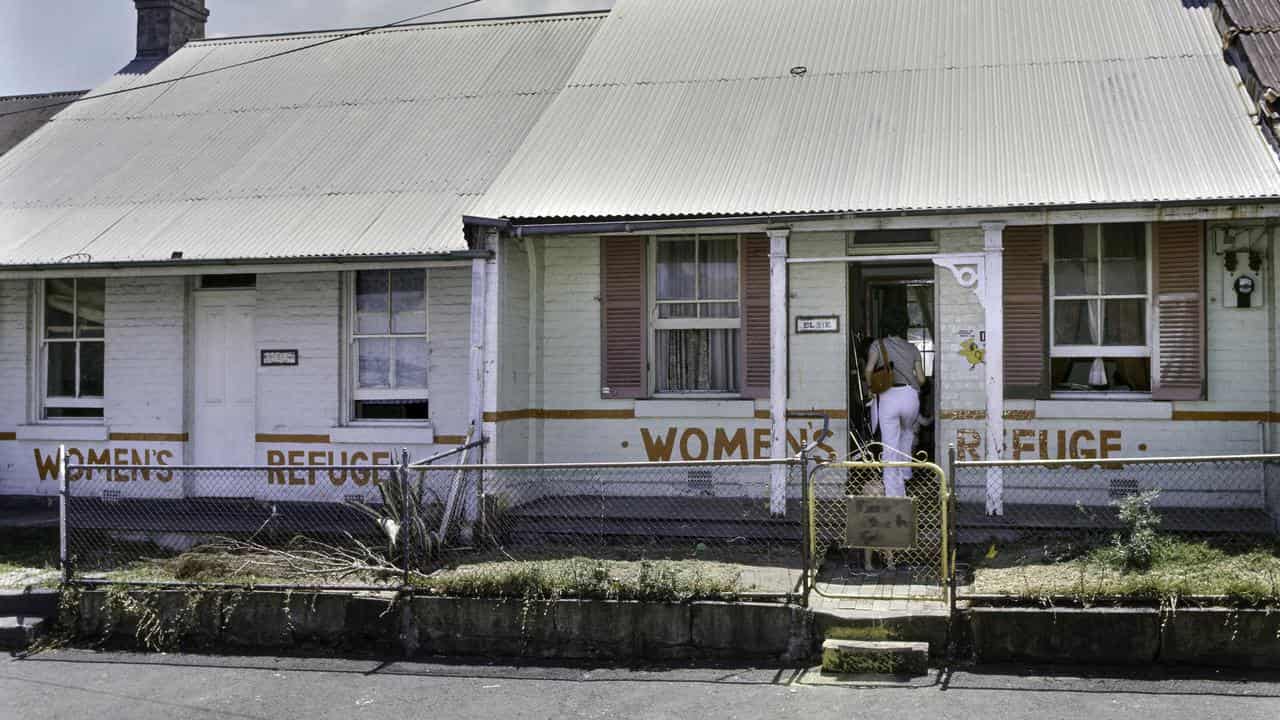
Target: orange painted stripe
537 414
1226 416
295 439
450 439
8 436
148 437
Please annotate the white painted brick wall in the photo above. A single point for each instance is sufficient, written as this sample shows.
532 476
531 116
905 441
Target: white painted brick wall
145 354
298 311
14 332
449 307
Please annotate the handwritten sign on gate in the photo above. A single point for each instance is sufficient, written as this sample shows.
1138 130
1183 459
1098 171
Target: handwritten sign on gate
879 522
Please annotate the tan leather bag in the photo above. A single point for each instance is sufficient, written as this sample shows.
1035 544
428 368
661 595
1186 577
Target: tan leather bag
882 379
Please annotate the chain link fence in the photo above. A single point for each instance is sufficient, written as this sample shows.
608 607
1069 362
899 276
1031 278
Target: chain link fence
916 570
382 526
1037 512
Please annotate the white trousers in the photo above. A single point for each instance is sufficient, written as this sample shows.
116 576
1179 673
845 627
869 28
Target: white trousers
898 411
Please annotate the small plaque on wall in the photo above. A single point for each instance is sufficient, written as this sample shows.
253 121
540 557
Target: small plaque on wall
273 358
817 324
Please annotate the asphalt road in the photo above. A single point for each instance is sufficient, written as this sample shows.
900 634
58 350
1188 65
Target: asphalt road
100 686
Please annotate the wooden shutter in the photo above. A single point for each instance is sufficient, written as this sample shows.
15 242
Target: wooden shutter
623 325
755 316
1178 357
1026 363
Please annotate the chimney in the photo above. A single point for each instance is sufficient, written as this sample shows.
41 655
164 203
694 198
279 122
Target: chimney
166 25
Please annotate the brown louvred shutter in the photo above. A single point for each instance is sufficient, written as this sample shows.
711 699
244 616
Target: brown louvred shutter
755 316
1026 351
622 317
1178 358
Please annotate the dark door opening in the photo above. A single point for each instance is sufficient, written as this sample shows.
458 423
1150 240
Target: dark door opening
872 289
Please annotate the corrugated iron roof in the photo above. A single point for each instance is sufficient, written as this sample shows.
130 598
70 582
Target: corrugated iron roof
1252 14
728 107
374 145
21 115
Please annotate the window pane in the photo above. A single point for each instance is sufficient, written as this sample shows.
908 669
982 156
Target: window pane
373 363
675 276
91 364
720 310
1075 322
1102 374
677 310
697 360
718 267
60 375
1124 322
59 308
1124 259
1075 261
411 363
371 303
91 304
391 410
408 301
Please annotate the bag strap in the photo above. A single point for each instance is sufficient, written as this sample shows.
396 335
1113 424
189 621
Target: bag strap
884 357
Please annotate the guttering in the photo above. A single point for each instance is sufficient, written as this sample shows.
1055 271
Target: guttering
531 226
196 263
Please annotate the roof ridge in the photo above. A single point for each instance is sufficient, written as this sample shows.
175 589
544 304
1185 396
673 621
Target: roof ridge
377 30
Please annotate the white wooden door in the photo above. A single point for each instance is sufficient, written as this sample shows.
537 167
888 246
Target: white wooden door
225 381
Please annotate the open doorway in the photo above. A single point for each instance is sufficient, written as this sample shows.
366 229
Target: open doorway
874 291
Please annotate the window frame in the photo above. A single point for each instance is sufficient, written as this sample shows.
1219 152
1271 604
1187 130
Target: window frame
351 393
1097 351
40 374
657 324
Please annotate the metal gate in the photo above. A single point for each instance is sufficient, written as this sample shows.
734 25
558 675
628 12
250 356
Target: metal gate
843 495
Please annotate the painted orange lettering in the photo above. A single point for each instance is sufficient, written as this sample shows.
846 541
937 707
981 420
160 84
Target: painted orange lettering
726 446
762 442
968 443
1023 441
1077 451
658 449
688 454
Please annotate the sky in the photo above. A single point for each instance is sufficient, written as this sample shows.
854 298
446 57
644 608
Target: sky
51 45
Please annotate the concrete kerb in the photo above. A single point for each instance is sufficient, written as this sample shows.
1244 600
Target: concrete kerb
387 624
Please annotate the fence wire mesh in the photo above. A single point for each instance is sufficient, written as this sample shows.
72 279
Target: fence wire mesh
738 523
841 571
1042 512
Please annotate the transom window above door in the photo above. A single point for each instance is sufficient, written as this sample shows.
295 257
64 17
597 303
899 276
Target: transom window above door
389 347
1100 337
696 315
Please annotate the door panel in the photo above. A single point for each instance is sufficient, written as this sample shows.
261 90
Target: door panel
226 381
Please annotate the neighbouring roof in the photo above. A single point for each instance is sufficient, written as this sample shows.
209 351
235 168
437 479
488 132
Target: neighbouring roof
371 145
1253 27
21 115
738 107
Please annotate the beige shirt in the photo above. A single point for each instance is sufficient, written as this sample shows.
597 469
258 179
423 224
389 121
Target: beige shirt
902 355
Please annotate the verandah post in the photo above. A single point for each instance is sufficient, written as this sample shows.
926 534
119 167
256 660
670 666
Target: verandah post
993 356
63 491
778 367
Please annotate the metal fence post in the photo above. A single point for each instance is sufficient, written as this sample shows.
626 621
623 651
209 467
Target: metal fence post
804 529
63 492
406 524
953 523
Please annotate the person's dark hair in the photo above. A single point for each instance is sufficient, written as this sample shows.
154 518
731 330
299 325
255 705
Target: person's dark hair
894 321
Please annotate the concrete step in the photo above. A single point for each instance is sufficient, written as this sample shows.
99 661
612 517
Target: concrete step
18 632
878 657
38 603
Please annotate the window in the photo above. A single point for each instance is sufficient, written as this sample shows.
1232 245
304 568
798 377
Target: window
72 345
389 345
1100 309
695 319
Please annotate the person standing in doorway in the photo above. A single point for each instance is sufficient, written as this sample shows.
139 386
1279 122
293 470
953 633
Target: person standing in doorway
897 408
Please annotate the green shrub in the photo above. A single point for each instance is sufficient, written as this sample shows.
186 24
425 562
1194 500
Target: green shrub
1139 540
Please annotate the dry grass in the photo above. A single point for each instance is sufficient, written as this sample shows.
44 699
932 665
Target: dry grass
1178 569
